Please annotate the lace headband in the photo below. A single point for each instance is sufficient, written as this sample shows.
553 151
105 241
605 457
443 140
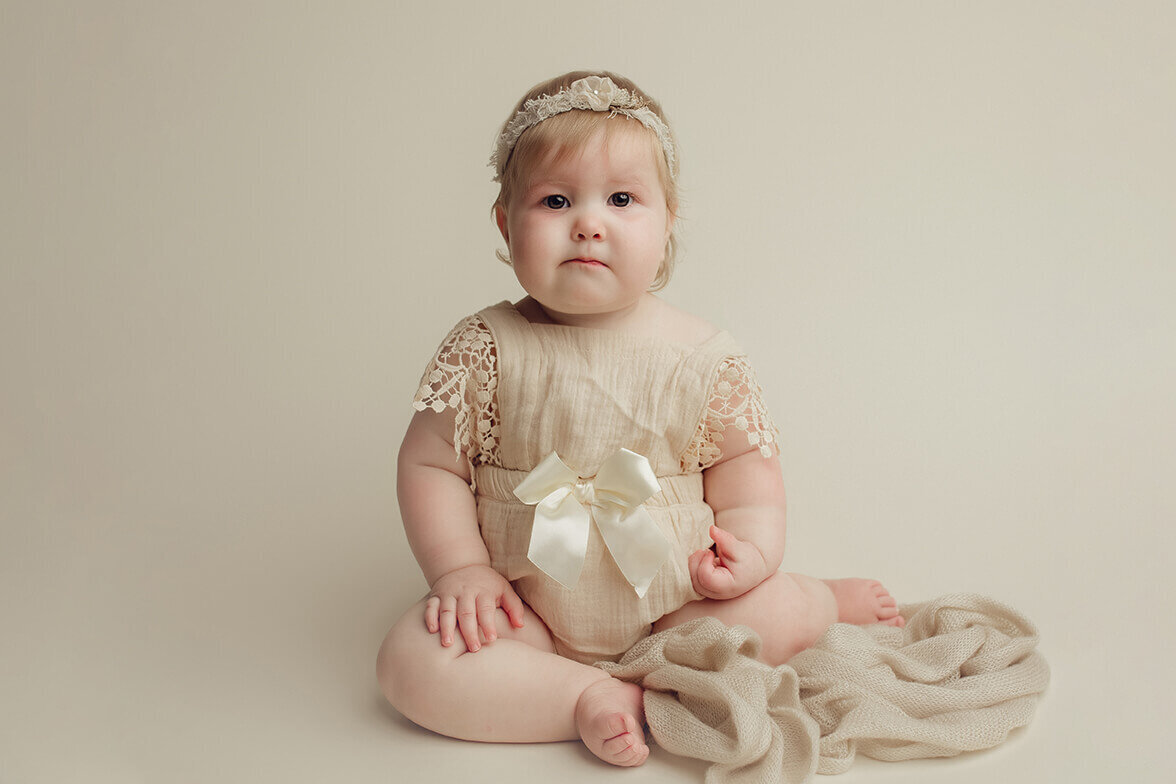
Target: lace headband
592 93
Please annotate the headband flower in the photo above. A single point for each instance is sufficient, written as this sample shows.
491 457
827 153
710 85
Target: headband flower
595 91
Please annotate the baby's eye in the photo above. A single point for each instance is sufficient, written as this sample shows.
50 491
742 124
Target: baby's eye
620 199
555 201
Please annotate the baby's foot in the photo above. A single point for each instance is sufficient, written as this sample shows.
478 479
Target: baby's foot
609 716
865 601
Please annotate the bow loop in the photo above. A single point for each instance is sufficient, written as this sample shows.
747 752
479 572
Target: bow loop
627 479
550 475
566 504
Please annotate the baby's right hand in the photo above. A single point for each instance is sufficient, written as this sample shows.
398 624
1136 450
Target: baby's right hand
467 600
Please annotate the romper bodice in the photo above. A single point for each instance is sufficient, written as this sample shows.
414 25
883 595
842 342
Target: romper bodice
522 391
584 393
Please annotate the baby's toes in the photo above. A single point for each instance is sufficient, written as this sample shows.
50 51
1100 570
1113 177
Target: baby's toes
618 725
608 717
888 610
626 750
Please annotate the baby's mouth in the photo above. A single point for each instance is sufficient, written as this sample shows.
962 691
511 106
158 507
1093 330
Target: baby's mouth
588 262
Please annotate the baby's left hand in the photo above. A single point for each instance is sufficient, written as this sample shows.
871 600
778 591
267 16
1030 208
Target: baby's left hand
732 569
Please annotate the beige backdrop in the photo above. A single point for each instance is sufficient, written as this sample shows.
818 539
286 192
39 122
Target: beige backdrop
233 233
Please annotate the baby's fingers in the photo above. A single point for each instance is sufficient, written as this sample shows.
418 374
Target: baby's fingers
715 580
706 571
513 606
487 622
447 619
467 621
698 557
728 544
693 563
432 610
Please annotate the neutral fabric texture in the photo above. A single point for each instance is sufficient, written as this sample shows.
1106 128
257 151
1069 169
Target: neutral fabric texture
522 391
961 674
707 696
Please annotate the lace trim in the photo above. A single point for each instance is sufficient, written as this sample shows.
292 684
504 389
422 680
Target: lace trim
463 375
737 401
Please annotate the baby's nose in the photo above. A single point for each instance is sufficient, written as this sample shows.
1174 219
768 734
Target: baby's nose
588 226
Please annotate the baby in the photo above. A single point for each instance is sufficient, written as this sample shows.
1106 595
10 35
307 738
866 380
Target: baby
589 464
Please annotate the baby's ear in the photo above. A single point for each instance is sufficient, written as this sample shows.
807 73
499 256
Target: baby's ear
500 219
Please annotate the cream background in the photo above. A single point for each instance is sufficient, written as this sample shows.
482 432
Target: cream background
231 234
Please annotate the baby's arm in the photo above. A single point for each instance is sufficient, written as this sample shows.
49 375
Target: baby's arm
746 492
440 519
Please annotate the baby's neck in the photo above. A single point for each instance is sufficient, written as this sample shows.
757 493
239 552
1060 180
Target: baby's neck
643 316
655 318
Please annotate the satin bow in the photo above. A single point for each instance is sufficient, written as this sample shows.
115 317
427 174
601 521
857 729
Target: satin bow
565 505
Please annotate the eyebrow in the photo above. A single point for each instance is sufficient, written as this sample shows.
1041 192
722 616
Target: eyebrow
547 182
620 183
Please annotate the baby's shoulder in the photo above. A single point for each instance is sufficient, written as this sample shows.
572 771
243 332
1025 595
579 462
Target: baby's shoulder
469 344
678 326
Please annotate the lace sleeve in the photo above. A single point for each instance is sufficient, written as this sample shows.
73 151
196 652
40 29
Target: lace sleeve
737 402
463 376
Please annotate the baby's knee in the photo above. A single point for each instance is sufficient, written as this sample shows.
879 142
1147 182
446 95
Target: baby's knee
403 661
389 663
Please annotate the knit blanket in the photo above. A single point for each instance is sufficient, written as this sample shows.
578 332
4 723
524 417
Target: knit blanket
961 674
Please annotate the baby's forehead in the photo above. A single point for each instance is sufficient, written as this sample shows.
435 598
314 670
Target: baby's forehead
616 149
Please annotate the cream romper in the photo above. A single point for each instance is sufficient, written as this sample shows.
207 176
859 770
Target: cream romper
522 391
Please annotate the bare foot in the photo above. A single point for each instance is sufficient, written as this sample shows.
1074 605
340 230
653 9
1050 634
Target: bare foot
865 601
609 716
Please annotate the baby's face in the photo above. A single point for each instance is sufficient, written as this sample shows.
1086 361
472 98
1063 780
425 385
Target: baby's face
588 233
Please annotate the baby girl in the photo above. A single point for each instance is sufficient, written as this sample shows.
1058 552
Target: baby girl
589 464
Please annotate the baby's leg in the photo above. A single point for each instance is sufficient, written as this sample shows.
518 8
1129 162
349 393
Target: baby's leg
514 690
788 611
791 611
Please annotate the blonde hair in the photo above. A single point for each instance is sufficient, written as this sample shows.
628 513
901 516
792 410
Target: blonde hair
564 135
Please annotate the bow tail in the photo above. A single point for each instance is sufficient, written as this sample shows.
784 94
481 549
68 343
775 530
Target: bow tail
635 542
559 538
